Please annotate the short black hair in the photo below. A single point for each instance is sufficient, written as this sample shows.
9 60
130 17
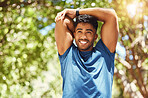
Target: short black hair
86 19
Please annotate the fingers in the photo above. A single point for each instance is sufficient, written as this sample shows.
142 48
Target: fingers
60 15
64 13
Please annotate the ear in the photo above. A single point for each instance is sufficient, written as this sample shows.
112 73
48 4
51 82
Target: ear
96 36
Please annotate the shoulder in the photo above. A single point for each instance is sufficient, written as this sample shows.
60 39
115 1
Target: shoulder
100 46
68 52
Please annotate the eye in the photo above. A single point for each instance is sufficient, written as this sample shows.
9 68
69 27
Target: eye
88 32
79 32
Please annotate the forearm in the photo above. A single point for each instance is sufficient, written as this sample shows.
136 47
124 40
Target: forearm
101 14
70 24
63 34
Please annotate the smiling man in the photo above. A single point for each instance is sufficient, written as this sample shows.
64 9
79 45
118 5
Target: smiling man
87 71
85 32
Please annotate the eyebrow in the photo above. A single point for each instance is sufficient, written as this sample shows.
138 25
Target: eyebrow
79 29
89 30
86 29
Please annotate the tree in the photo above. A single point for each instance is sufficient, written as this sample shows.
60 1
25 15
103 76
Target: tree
29 65
131 71
24 52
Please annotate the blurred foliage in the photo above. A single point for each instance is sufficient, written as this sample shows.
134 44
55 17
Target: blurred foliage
29 65
131 72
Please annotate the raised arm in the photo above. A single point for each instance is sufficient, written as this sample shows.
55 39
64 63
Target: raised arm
63 33
109 30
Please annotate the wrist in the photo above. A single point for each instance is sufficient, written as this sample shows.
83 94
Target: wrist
77 11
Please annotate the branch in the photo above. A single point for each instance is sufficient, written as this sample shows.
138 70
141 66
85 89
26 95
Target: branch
144 90
128 87
125 63
139 39
129 67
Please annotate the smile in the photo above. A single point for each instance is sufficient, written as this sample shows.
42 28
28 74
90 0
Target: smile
83 42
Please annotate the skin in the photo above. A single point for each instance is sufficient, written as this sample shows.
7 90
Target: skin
64 29
85 35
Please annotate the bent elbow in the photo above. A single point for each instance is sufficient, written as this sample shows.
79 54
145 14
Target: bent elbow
113 14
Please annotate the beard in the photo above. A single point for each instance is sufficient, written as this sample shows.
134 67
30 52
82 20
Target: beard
87 46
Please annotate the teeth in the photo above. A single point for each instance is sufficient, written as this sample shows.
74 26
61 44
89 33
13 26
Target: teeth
83 42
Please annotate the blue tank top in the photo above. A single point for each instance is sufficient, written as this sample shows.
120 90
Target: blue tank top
87 74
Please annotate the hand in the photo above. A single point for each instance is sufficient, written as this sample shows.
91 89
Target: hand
69 12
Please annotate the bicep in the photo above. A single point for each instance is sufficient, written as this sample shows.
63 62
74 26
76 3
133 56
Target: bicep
63 35
109 33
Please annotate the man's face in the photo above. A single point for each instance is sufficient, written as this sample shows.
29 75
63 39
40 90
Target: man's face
85 35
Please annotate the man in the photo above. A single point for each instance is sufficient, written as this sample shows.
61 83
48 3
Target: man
87 71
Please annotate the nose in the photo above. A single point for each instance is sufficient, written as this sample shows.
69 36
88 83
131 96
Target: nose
83 36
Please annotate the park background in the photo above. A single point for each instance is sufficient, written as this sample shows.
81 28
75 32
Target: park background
29 64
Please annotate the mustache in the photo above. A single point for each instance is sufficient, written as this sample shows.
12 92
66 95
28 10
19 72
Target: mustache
83 40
